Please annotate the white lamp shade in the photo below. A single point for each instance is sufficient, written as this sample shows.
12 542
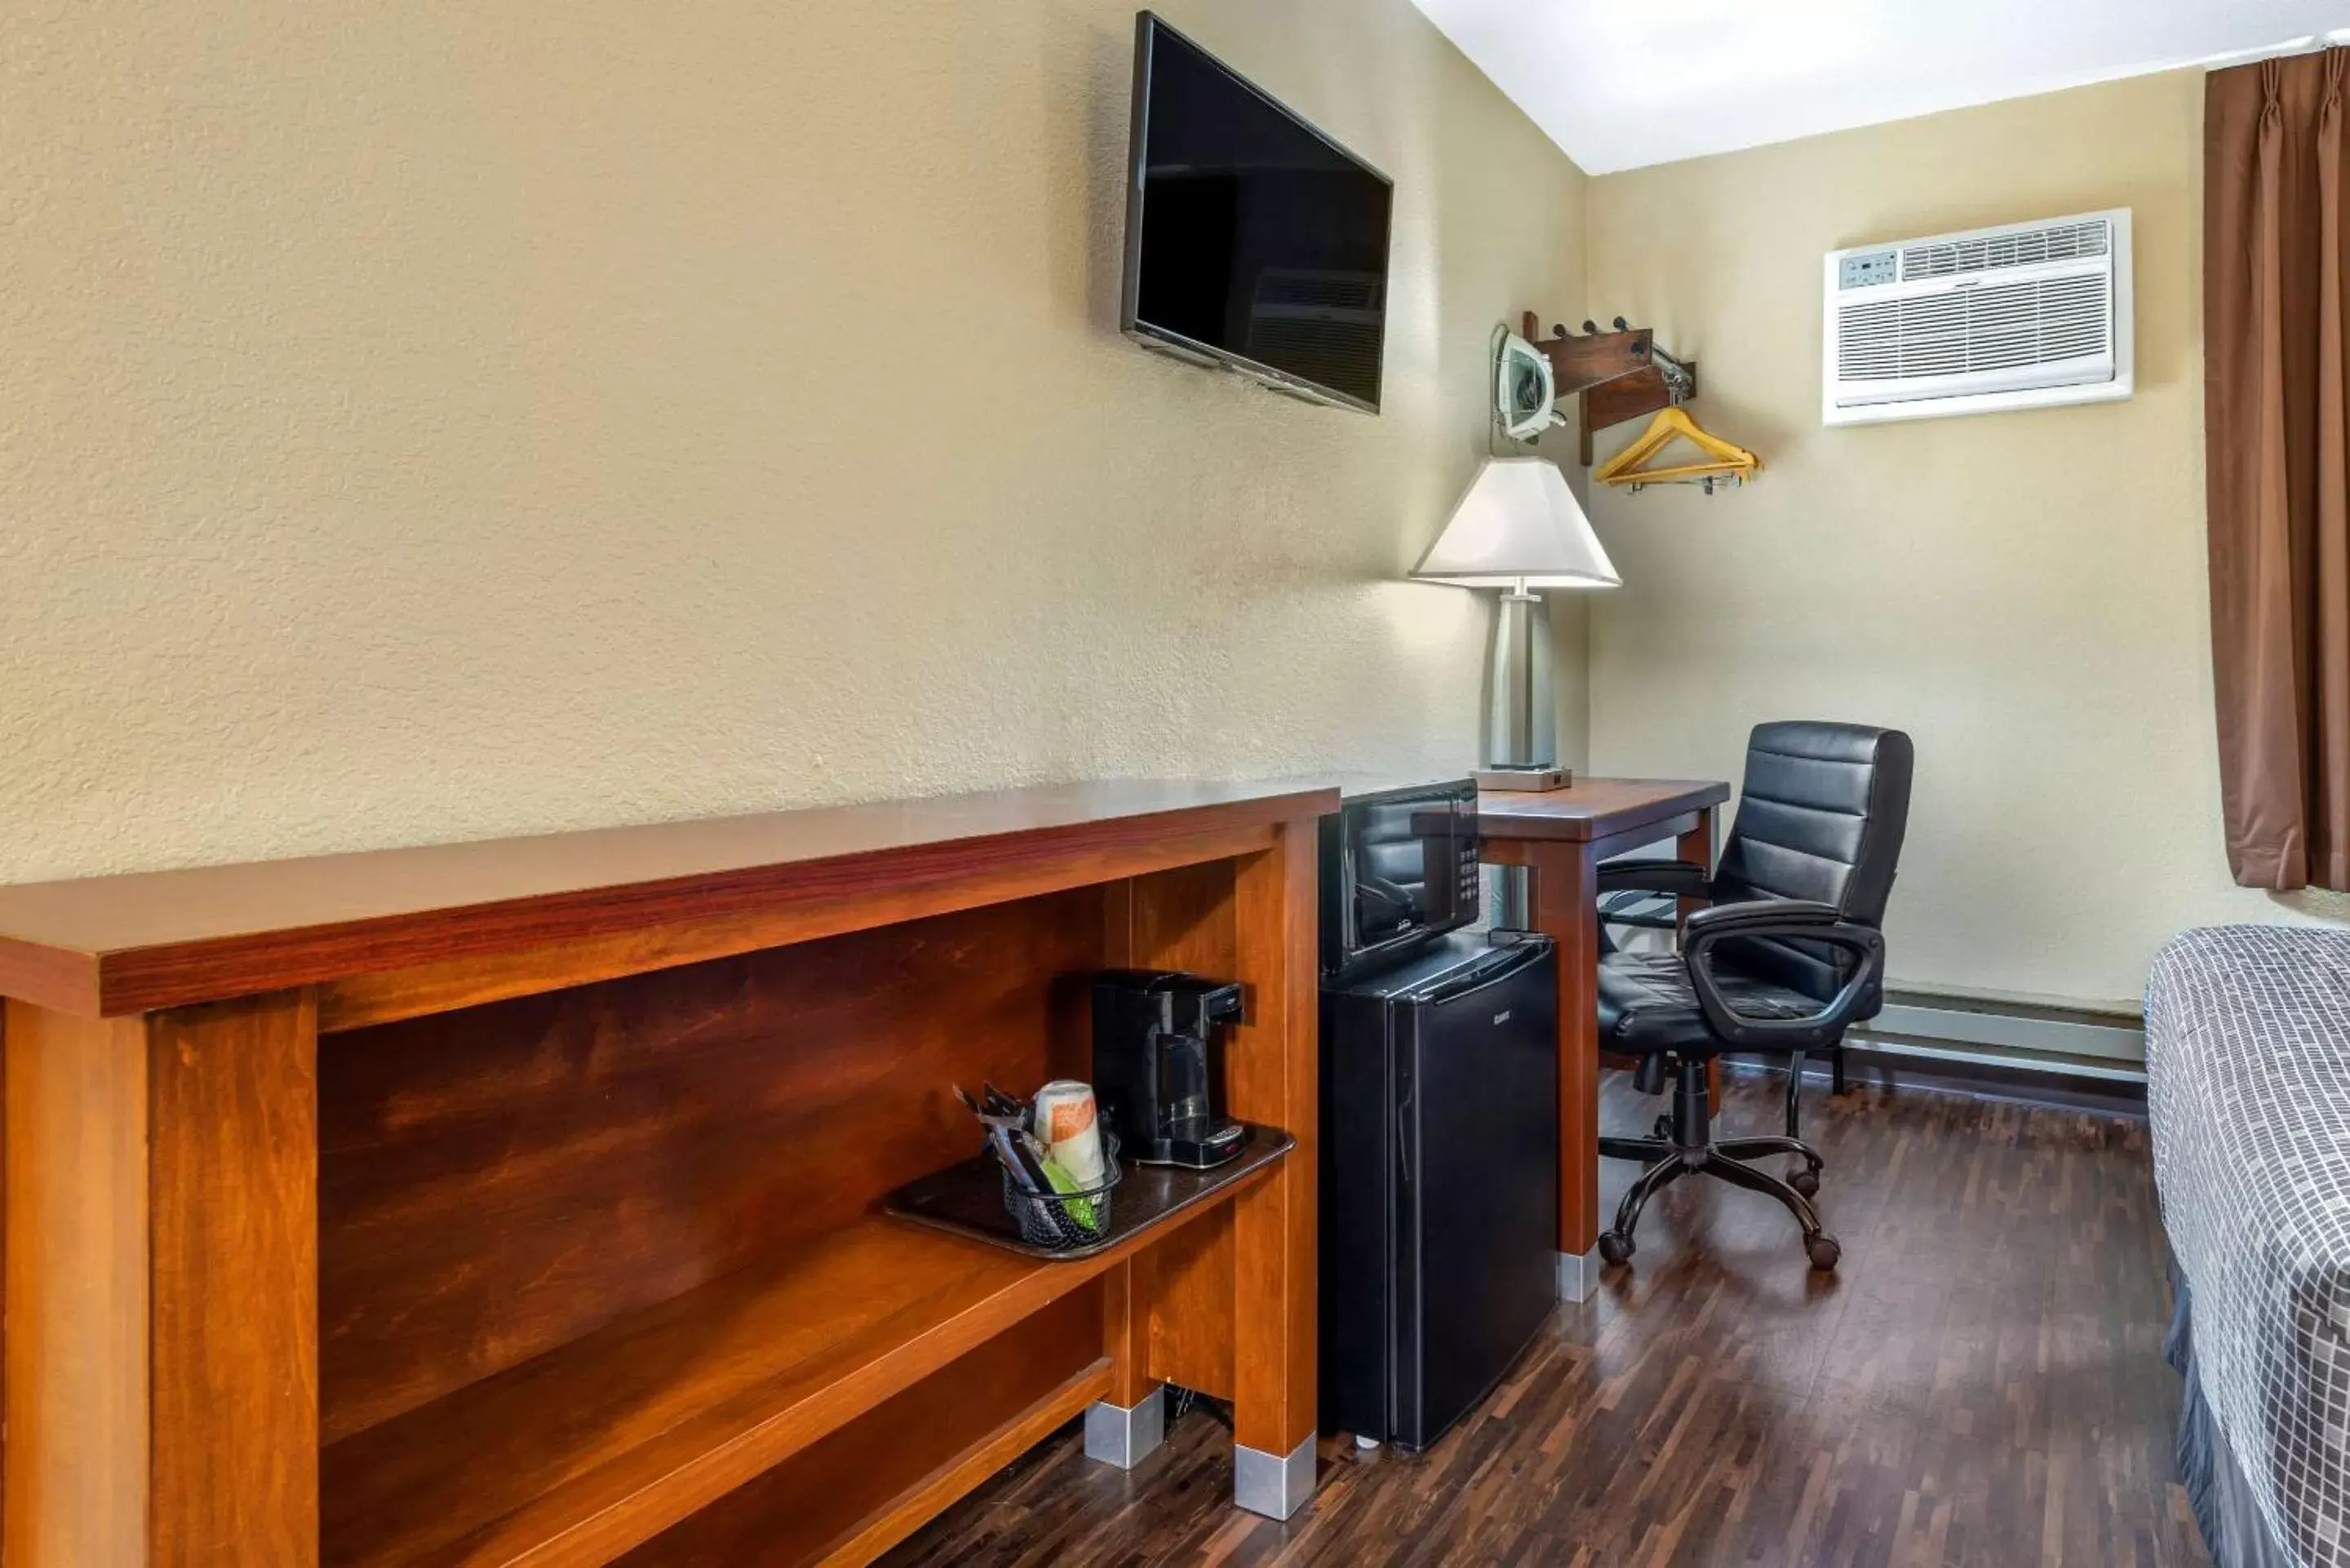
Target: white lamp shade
1519 526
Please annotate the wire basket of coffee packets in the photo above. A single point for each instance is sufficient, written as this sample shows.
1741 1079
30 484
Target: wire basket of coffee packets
1060 1168
1078 1217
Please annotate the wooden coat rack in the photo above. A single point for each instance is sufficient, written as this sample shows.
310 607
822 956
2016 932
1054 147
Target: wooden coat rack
1622 374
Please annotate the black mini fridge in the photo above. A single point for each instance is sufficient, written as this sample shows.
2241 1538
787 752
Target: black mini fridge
1440 1181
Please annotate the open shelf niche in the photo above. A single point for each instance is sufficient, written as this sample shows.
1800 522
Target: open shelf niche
670 1288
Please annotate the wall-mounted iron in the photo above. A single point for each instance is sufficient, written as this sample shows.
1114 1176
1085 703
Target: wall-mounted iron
1525 390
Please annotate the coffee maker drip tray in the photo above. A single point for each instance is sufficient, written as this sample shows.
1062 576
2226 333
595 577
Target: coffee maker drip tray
1200 1142
967 1198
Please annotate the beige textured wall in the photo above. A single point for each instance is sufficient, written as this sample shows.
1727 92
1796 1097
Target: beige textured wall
436 421
2023 592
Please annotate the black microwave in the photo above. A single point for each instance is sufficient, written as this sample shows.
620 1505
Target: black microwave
1398 868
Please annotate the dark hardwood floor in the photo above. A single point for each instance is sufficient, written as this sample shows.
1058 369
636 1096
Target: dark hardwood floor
1982 1383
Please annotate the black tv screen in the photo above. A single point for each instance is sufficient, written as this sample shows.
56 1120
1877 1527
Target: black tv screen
1251 240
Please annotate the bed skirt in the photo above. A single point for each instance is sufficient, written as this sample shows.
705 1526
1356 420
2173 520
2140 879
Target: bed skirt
2226 1511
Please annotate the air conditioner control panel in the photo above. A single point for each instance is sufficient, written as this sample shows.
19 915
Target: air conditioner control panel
1866 270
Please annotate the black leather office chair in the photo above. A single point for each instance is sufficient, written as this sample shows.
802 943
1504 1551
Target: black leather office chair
1787 955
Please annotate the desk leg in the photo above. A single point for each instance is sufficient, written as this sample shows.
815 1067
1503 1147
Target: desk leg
1127 1427
78 1386
233 1168
1270 1071
1696 848
1566 910
162 1346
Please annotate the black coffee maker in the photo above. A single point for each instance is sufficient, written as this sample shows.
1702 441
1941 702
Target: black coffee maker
1158 1066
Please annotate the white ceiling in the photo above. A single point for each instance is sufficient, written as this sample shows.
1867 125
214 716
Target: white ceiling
1623 83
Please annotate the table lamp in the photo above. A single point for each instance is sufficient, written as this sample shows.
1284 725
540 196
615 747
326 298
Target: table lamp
1519 529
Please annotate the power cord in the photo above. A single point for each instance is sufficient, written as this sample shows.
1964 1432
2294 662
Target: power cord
1181 1402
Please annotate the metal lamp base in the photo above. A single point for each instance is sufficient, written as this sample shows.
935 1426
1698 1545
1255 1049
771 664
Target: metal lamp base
1521 718
1521 722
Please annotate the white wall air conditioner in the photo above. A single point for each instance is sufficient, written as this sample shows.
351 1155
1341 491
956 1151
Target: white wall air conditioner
2026 315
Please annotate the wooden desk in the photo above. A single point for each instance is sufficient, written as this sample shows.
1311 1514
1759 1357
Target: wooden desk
516 1203
1560 838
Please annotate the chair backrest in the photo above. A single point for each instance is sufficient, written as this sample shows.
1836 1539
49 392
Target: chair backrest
1821 816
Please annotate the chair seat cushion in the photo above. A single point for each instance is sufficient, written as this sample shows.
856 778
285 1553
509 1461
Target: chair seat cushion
1647 1004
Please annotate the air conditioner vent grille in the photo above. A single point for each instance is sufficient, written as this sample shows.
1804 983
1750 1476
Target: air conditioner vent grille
2000 327
2058 242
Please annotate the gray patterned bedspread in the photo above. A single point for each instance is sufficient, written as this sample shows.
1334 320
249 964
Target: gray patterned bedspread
2248 1084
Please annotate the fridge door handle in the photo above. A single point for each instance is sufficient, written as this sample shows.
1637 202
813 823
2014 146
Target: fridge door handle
1403 1135
1490 968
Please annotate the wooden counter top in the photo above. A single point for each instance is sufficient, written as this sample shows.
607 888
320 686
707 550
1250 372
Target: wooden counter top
517 1202
114 945
1593 808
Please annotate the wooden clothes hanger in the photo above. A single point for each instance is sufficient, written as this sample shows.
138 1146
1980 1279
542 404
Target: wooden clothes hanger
1727 461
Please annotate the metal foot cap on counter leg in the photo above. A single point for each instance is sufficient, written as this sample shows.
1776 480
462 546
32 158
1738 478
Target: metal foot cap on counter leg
1124 1436
1578 1275
1275 1485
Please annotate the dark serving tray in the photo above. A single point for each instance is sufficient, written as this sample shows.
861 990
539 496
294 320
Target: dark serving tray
967 1198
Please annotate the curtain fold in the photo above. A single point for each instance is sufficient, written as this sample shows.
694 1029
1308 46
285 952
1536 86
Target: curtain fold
2277 465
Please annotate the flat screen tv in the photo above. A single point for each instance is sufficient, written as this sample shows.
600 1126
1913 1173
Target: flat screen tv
1252 241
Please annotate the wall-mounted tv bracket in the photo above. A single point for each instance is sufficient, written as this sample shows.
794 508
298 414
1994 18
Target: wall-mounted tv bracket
1622 374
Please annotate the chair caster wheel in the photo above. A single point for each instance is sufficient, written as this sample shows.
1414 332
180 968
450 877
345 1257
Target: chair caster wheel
1614 1248
1824 1252
1663 1130
1806 1182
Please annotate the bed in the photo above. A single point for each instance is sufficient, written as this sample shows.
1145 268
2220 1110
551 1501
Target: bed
2247 1083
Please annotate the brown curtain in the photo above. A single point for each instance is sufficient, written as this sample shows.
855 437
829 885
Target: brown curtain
2277 463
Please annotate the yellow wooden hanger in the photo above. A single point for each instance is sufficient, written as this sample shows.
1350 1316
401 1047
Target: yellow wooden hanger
1727 461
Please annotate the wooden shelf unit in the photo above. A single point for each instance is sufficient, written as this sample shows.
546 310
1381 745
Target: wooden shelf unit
588 1451
551 1238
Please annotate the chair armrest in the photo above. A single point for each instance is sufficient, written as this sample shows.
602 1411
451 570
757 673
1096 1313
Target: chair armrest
1750 912
1797 920
1680 878
1643 911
